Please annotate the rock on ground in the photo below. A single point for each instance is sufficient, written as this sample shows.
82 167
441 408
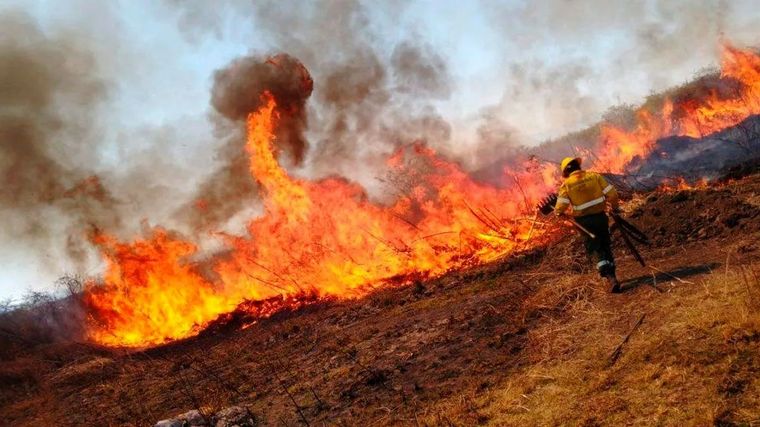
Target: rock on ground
234 416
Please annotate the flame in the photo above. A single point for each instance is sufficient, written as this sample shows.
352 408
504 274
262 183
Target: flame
696 116
326 238
318 238
149 287
680 184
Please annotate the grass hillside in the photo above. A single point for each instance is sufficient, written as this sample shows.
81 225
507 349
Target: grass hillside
530 340
693 360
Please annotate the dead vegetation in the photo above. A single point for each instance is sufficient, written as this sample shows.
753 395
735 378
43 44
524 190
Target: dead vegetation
42 317
533 340
692 361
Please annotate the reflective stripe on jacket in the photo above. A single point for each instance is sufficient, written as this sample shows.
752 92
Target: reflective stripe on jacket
586 192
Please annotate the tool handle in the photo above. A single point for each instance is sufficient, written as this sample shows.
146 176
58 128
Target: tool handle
580 227
631 247
633 232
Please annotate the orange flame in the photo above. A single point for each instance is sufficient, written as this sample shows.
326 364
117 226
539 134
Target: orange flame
694 116
327 239
150 290
680 184
322 238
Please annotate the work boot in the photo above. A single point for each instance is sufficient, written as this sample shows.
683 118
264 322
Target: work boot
612 280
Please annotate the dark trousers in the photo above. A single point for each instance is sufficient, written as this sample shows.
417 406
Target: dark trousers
599 248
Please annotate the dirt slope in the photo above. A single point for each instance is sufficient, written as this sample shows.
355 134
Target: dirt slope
523 341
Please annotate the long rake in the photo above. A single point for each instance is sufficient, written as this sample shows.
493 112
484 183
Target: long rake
628 231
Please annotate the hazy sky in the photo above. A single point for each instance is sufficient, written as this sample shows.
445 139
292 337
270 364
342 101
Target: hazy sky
539 68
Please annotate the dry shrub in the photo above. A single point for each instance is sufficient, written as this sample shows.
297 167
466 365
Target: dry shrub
34 336
42 318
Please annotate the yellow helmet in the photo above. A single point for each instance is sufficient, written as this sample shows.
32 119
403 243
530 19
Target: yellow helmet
566 161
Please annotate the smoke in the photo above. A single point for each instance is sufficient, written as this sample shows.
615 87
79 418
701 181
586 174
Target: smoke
372 92
376 90
237 91
385 75
602 54
50 94
368 98
420 71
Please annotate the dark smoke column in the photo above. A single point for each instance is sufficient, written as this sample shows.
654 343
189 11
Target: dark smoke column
237 92
238 88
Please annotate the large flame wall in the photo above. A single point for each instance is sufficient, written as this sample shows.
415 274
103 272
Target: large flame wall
325 238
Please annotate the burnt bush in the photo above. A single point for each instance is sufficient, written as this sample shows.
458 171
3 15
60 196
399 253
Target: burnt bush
42 318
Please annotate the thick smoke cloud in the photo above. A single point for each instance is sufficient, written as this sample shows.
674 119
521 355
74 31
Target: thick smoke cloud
383 77
41 78
372 93
368 98
49 96
237 91
418 70
375 91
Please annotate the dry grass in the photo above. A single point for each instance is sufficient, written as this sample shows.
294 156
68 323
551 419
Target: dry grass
692 362
525 341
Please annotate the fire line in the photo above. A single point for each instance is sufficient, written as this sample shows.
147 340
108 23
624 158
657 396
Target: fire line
325 238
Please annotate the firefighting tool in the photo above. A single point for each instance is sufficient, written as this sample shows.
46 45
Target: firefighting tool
628 232
546 206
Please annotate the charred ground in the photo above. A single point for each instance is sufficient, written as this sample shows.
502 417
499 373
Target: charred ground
524 340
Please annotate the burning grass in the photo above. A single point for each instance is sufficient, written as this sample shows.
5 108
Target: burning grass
327 239
322 238
525 340
446 335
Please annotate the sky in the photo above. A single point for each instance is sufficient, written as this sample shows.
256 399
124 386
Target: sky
525 71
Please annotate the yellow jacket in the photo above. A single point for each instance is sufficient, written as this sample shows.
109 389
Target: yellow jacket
586 192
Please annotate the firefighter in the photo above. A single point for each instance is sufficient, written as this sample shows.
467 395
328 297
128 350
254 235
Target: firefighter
589 195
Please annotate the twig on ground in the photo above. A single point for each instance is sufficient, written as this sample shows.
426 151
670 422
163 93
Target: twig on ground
410 223
191 396
320 403
670 275
492 216
432 235
489 224
530 233
519 187
619 349
276 274
389 244
292 399
388 411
